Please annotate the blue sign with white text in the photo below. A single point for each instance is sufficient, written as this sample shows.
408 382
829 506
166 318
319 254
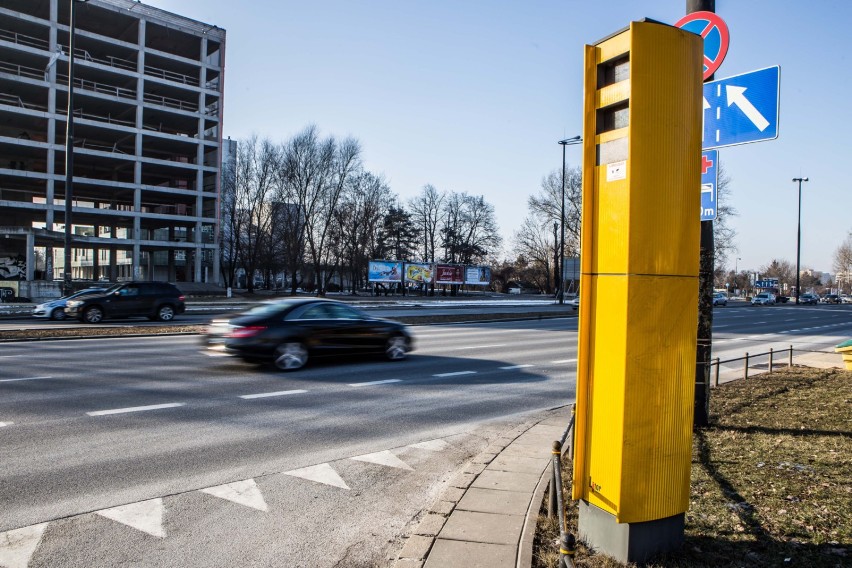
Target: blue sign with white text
742 108
709 177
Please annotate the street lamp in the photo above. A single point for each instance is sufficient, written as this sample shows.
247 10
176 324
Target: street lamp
567 142
69 148
799 238
736 273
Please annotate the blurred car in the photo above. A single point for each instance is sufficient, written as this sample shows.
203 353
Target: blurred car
763 299
55 309
830 299
720 299
154 300
289 332
845 299
808 299
574 302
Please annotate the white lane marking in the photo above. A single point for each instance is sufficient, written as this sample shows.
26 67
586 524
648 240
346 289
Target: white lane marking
10 356
431 445
760 322
561 361
17 546
268 394
516 367
135 409
456 374
720 326
481 346
145 516
4 424
24 379
241 492
385 458
371 383
322 473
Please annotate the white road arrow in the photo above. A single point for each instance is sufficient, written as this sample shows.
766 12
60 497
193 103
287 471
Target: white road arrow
17 546
736 96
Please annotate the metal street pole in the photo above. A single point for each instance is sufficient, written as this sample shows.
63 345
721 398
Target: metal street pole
563 143
799 239
705 289
69 150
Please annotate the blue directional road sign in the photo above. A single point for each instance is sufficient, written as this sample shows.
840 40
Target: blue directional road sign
742 108
709 177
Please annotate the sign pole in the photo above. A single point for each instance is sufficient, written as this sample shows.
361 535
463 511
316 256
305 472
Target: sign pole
705 290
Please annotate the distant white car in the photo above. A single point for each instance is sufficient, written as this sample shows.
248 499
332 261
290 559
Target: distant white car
720 299
574 302
763 299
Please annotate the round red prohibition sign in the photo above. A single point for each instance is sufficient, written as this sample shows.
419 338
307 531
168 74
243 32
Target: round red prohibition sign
714 30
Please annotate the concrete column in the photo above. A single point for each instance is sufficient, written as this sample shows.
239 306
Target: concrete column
30 256
113 256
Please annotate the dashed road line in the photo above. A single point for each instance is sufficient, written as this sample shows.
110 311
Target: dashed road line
4 424
269 394
561 361
25 379
455 374
481 346
513 367
371 383
135 409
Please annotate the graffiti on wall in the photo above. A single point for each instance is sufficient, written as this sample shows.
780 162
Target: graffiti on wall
13 268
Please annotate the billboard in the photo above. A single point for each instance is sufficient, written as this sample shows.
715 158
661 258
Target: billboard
384 271
477 275
420 273
449 274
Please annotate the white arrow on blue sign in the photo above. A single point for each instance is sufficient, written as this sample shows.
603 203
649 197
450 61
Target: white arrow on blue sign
709 179
742 108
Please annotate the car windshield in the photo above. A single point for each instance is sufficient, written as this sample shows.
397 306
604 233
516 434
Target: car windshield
83 293
113 288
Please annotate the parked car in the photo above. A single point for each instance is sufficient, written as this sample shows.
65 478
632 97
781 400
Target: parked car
289 332
763 299
154 300
55 309
808 299
830 299
574 302
845 299
720 299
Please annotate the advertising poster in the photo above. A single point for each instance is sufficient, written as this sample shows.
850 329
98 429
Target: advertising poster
449 274
420 273
477 275
384 271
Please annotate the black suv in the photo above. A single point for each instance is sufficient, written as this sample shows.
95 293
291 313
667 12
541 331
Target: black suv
154 300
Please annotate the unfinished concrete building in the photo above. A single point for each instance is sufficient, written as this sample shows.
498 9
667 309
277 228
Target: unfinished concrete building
148 87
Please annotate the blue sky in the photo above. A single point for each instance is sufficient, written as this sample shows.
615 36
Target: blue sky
474 95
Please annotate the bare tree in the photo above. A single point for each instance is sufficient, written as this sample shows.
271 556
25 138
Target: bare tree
427 214
783 270
843 257
470 232
723 233
314 175
537 246
546 205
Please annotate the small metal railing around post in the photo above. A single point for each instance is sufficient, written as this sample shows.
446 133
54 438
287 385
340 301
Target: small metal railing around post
556 502
749 357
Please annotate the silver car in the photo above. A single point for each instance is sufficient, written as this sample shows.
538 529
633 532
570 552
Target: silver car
55 309
763 299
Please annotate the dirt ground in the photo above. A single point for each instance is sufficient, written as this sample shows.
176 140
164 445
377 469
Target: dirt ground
771 478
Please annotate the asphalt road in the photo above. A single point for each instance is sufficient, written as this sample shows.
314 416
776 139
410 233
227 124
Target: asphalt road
72 450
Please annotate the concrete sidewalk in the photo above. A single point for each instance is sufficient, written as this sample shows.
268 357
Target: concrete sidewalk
487 517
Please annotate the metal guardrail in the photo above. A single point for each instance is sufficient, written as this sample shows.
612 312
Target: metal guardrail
21 39
748 357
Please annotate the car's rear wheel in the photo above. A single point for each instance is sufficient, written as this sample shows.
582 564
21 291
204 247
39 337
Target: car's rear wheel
58 314
290 356
166 313
93 315
395 348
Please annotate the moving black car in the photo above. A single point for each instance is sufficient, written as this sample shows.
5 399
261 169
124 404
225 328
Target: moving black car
288 332
154 300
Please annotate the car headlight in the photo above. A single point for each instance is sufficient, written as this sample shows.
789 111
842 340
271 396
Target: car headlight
73 303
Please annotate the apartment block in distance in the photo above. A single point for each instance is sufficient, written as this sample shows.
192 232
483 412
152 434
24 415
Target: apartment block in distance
148 88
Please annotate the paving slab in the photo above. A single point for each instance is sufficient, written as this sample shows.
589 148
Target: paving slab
507 481
527 451
463 480
416 547
488 528
519 464
455 554
431 525
443 507
494 501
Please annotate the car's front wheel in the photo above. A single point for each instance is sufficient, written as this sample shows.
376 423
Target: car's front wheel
166 313
290 356
395 348
93 315
58 314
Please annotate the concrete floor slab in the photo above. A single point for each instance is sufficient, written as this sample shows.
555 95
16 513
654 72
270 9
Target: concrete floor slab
455 554
489 528
494 501
507 481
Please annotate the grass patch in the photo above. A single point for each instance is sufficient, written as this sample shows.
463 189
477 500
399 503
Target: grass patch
771 479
